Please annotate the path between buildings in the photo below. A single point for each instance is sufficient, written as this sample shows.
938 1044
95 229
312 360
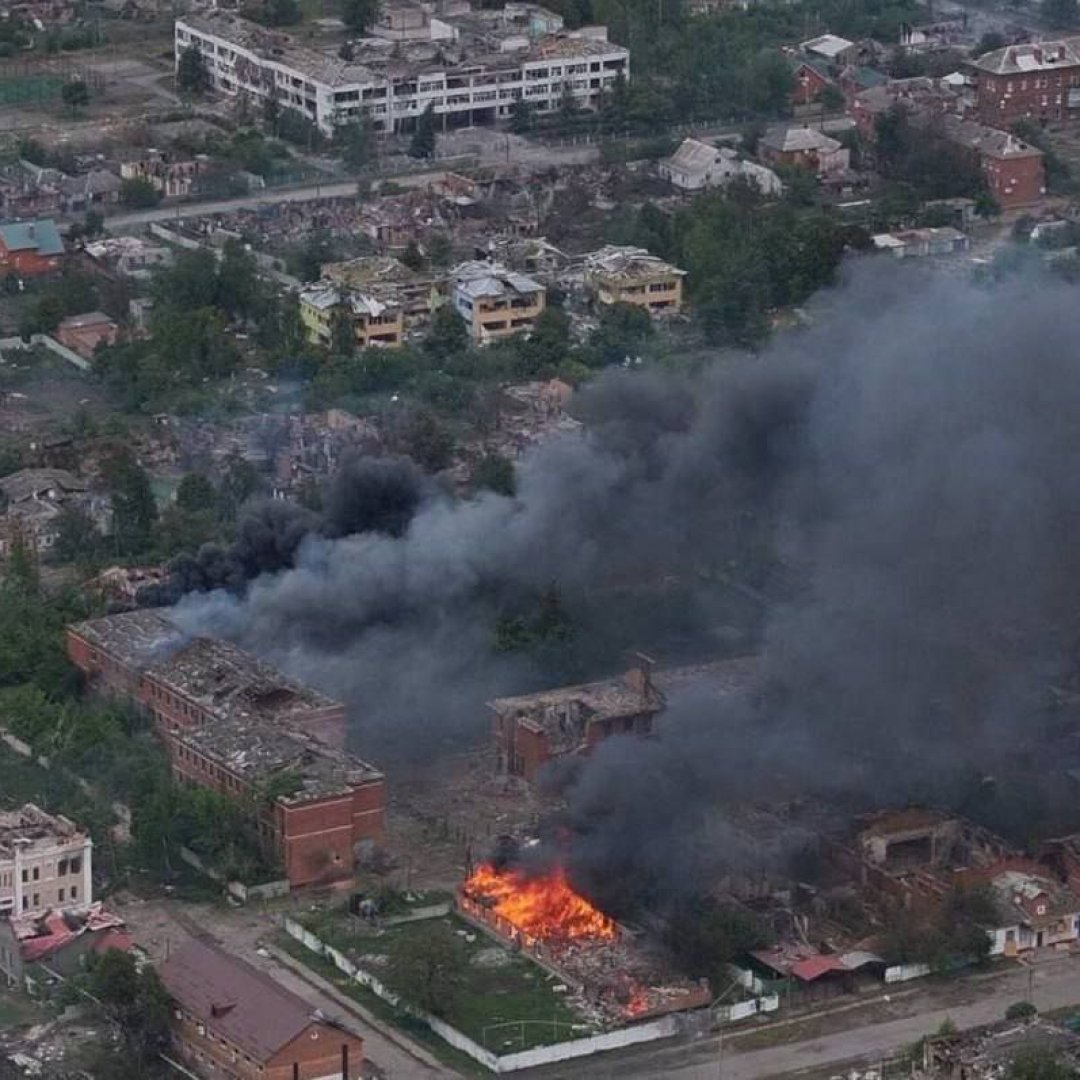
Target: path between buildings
158 926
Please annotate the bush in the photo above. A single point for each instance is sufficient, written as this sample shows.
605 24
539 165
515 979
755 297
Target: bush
1021 1010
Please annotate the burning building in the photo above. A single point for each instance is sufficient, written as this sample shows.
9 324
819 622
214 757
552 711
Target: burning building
619 977
534 729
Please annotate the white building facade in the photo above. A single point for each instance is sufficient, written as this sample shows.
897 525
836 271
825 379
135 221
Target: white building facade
45 863
480 88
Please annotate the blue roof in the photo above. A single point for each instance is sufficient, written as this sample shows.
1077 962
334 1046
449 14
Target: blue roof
40 236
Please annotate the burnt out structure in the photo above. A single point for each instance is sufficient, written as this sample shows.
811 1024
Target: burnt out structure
533 729
916 856
234 724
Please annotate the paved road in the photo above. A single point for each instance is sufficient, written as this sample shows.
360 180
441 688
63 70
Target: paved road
250 202
158 926
1054 984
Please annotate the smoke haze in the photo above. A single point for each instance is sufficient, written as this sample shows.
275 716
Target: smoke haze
901 480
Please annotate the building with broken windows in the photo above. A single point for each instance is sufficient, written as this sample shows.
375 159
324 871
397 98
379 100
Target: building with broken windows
495 302
45 862
238 726
469 74
371 321
534 729
631 275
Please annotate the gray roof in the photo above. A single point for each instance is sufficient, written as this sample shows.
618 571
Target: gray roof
798 139
35 483
1031 56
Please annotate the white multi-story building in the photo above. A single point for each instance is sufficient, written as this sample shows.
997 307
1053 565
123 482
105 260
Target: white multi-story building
44 863
493 59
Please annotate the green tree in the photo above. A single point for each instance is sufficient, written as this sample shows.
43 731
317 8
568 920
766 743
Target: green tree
77 538
428 967
342 332
134 511
356 143
1021 1010
447 335
195 493
832 98
192 74
991 41
422 144
281 12
134 999
705 936
1039 1063
547 346
237 283
137 193
359 15
93 223
75 94
495 472
522 117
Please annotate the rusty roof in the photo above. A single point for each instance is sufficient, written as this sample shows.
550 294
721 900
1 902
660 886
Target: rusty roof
233 999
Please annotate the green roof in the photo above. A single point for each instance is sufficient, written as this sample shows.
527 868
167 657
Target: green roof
40 236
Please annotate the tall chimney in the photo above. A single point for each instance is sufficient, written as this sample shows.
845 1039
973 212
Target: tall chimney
639 677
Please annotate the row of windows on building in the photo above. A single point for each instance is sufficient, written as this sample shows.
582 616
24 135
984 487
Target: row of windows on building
32 901
72 865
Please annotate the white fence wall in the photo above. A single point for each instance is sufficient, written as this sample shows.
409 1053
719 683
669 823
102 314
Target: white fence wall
663 1028
904 972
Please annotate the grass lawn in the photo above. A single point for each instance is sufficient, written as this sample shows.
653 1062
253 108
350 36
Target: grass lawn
505 1003
17 1011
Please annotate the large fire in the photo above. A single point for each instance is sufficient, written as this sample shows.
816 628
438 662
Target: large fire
544 907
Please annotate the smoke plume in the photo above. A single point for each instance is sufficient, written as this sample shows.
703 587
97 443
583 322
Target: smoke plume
886 503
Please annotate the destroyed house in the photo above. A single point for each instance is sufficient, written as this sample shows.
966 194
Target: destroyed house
32 501
631 275
417 293
186 683
315 806
537 728
915 857
45 862
1033 909
231 1020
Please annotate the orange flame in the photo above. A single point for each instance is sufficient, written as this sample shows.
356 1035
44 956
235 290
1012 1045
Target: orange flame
544 907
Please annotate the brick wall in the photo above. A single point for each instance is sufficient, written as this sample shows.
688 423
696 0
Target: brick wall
1013 182
28 263
318 1058
1000 100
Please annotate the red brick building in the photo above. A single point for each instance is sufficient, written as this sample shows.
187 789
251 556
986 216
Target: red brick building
1015 171
30 248
231 1020
231 723
1038 80
809 79
536 728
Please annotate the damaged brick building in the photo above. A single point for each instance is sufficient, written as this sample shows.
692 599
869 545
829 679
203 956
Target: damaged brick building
534 729
236 725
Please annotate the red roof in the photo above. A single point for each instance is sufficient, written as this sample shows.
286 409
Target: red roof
815 966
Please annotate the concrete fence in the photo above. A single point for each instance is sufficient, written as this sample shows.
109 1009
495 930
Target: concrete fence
49 343
265 890
904 972
740 1010
663 1028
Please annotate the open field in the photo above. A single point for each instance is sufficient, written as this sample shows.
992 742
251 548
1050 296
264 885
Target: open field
503 1001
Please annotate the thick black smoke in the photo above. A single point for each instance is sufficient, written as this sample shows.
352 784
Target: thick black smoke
898 486
364 495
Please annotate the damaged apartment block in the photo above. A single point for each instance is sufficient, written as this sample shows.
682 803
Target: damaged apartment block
534 729
237 726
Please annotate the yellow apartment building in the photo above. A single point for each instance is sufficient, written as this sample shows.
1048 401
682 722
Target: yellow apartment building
495 302
630 275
